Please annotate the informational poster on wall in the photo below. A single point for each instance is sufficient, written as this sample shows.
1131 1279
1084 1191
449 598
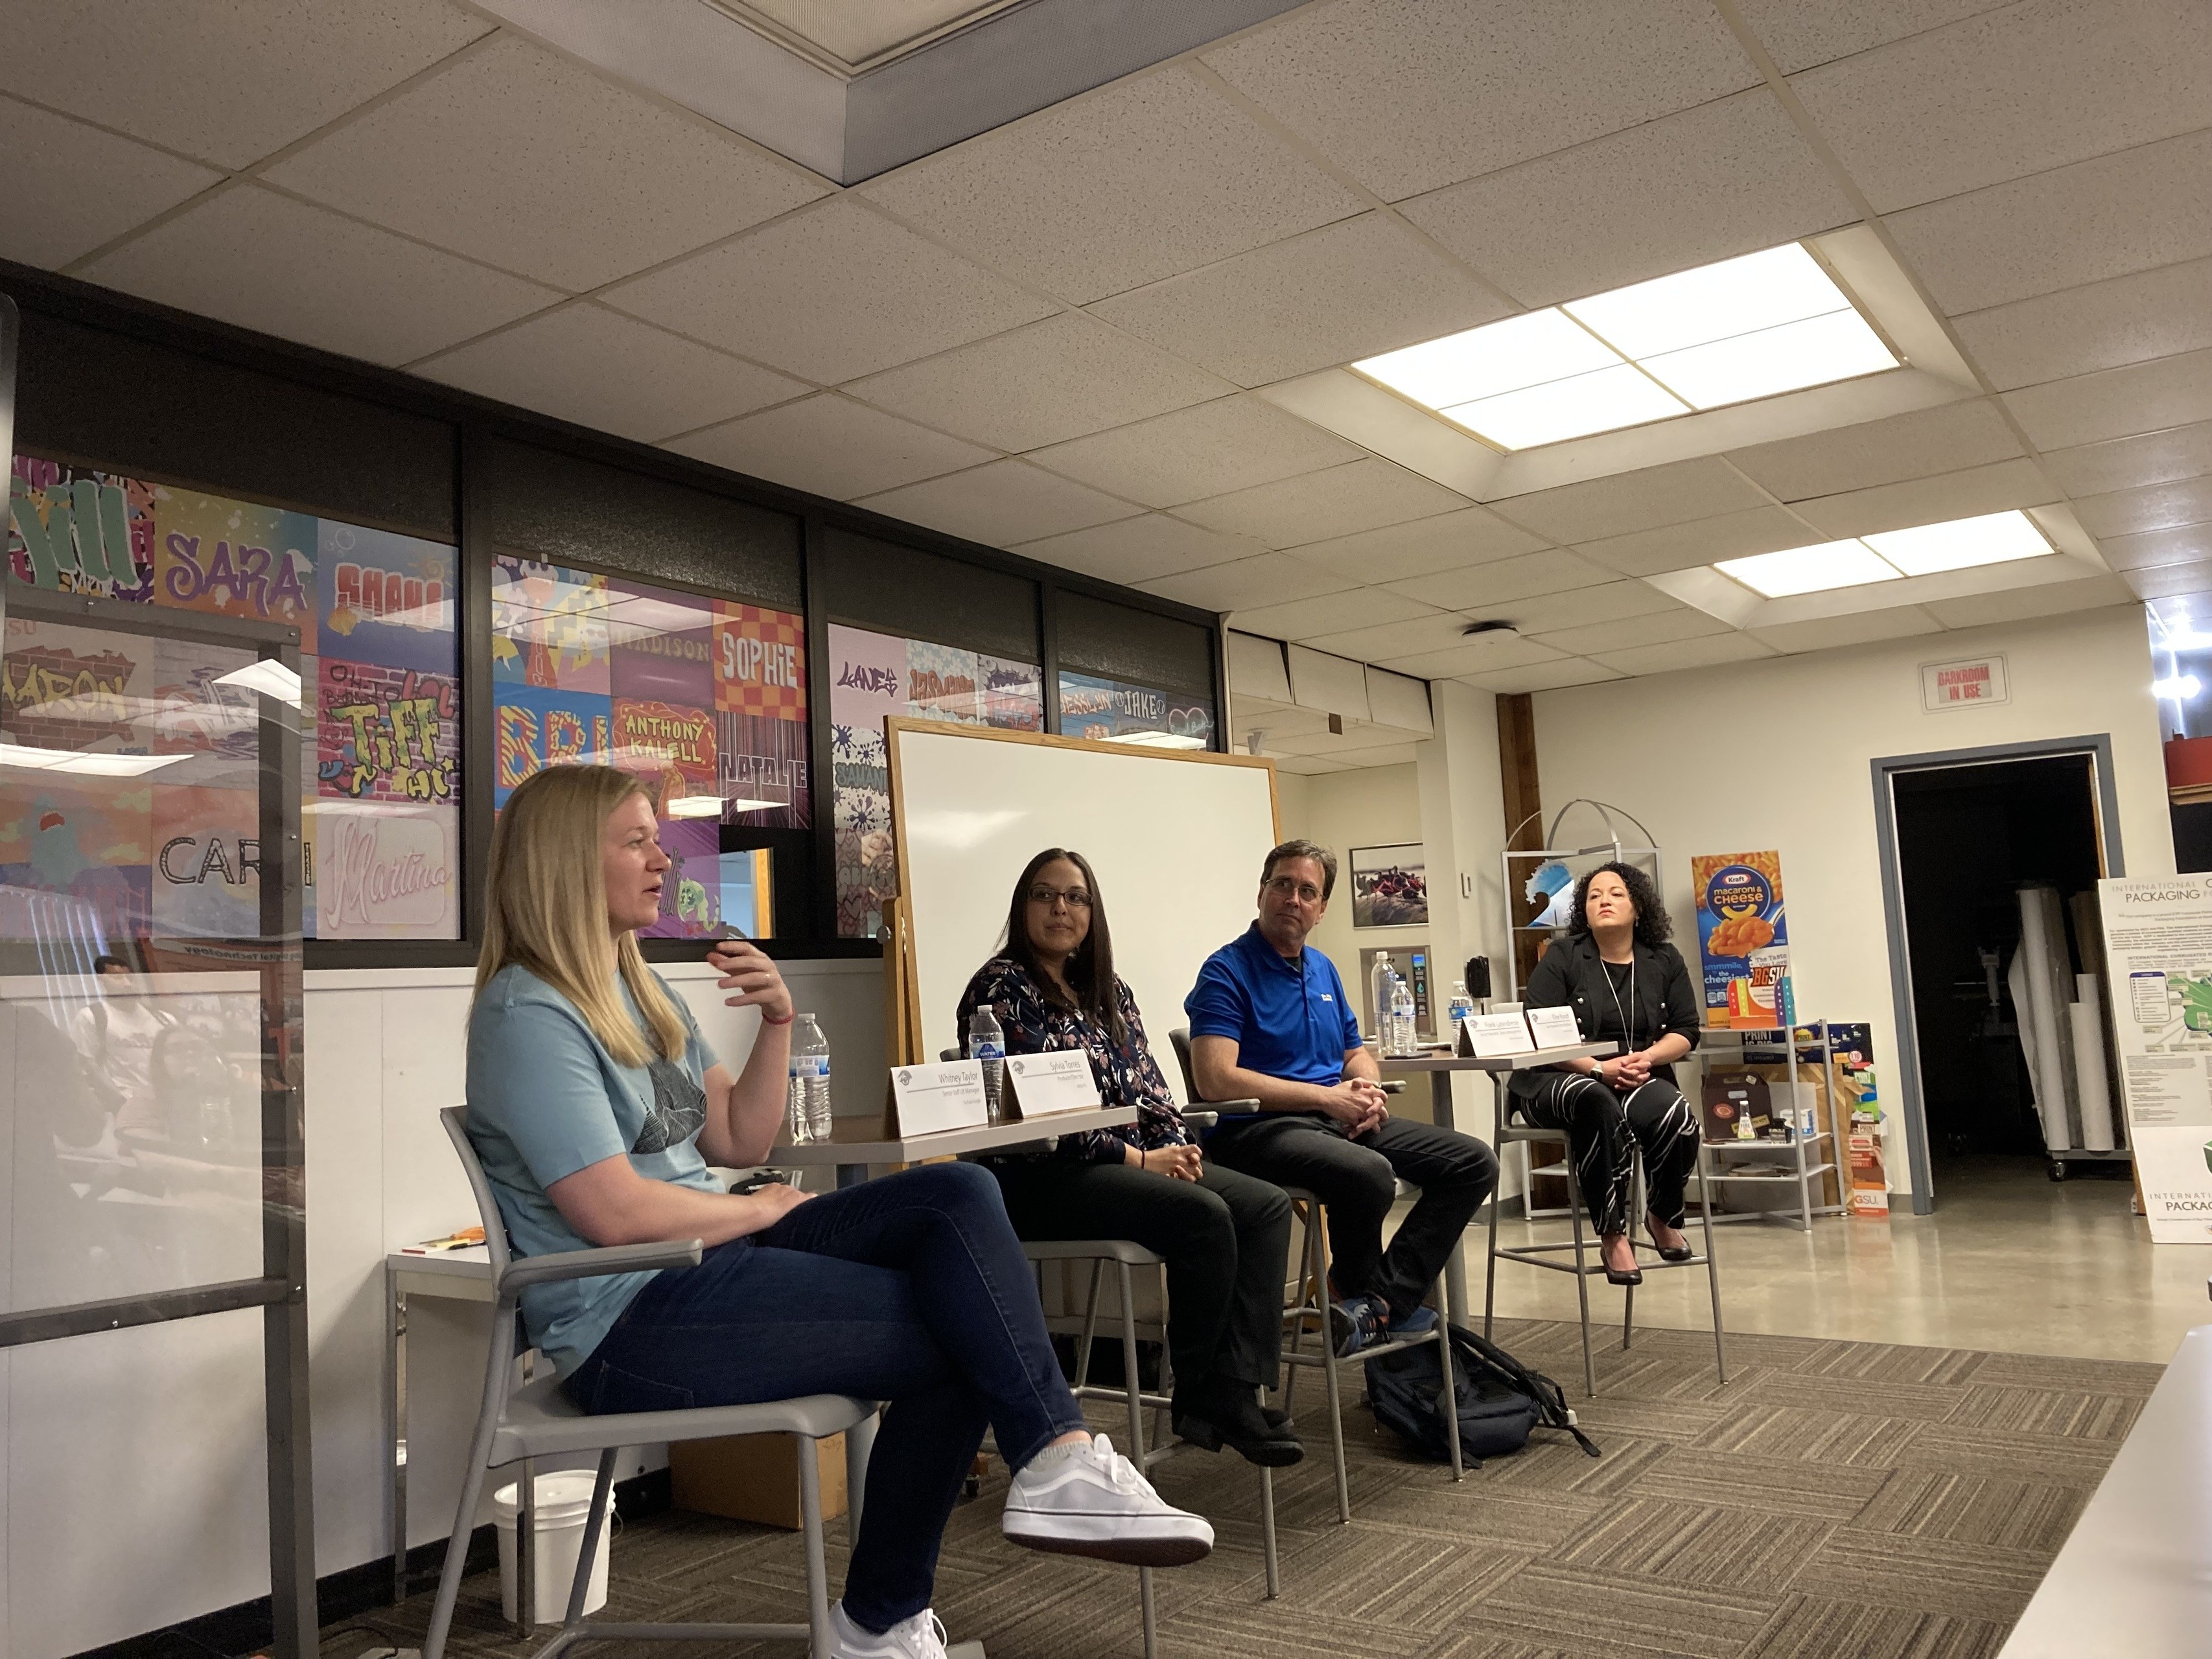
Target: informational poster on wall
1743 939
379 712
2158 949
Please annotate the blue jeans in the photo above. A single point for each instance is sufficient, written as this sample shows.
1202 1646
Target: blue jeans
912 1290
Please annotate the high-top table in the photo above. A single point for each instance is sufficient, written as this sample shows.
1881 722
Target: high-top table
2134 1578
1440 1068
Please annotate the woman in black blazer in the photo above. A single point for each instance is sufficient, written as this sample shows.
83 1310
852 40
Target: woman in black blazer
1625 984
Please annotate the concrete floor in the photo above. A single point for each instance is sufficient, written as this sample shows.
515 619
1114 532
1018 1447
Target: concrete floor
2010 1261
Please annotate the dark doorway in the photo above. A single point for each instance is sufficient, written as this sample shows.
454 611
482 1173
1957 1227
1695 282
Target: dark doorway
1968 837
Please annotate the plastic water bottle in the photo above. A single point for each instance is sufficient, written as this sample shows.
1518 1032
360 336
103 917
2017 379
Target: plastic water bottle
1461 1005
807 1108
1379 984
1401 1018
987 1043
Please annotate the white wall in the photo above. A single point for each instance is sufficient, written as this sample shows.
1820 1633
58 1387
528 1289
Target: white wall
155 1433
1374 807
1774 754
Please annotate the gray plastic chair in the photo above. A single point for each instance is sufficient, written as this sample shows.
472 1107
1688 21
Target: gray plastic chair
536 1419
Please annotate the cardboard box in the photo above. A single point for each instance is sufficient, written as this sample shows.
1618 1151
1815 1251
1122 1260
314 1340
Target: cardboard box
754 1477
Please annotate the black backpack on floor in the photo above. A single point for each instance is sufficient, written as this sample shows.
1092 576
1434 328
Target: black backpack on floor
1500 1400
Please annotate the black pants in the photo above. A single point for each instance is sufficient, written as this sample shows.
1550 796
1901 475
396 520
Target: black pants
1599 1125
1356 1183
1226 1238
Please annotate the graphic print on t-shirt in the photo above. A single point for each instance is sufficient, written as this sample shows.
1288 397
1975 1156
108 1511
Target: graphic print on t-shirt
679 1109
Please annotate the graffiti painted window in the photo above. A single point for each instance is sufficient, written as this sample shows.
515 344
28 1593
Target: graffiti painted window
705 698
876 675
1115 711
378 697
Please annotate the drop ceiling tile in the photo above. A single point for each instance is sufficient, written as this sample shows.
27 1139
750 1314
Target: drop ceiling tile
1480 588
1714 651
1862 628
1407 96
70 188
1351 745
2153 507
1962 494
2032 87
1308 765
1591 639
2115 403
1799 33
1389 642
2183 545
2021 604
530 162
1447 541
1728 178
589 365
1543 677
999 504
831 294
2078 331
315 277
1927 440
1266 579
2180 452
1208 449
2166 581
831 446
1061 378
1304 620
226 83
1322 505
1546 613
1598 507
1150 177
1349 290
1677 547
2137 210
1134 550
1485 653
1384 754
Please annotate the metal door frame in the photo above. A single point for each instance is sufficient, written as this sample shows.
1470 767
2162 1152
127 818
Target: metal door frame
2104 800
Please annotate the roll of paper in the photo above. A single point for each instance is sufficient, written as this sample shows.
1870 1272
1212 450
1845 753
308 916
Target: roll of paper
2090 1081
2046 1012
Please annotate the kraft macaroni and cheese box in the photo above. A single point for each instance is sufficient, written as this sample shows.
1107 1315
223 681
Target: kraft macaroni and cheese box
1739 912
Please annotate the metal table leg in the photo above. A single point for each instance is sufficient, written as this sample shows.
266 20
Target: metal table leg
395 1431
1440 1099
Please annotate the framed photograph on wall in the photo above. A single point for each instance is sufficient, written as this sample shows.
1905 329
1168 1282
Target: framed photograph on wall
1389 887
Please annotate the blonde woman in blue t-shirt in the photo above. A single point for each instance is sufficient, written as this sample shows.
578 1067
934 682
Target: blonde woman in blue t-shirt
596 1107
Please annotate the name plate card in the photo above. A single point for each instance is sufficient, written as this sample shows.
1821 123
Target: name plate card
1061 1081
1554 1028
948 1095
1497 1037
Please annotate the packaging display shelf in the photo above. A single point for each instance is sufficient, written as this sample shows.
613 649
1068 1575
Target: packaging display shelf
1807 1162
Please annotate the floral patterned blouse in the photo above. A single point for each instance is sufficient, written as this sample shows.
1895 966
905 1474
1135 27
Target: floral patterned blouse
1127 1075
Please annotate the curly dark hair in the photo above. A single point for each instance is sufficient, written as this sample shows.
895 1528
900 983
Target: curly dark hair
1653 928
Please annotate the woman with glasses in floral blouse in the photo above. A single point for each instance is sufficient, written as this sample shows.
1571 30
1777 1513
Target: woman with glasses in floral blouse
1225 1236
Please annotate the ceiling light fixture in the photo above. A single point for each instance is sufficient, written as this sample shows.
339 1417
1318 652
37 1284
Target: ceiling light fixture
1750 327
1955 544
1159 739
75 764
268 676
2180 689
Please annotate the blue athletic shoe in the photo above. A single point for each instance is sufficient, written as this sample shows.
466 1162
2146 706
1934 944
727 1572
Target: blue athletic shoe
1356 1324
1420 1322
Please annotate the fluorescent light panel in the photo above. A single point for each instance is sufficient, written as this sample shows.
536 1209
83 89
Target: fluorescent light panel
1751 327
1956 545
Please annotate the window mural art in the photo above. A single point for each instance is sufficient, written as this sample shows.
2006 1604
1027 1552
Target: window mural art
705 698
876 675
1114 711
379 710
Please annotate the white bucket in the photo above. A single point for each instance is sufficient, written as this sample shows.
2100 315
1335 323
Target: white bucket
564 1501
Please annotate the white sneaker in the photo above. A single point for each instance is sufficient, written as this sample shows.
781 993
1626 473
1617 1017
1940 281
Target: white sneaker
1093 1502
919 1638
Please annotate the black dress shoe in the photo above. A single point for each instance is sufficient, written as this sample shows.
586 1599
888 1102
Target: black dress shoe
1632 1276
1681 1252
1232 1418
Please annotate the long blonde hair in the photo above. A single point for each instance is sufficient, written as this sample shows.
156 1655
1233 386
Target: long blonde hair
547 909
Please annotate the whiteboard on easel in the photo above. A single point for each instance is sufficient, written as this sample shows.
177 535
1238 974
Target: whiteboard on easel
1177 838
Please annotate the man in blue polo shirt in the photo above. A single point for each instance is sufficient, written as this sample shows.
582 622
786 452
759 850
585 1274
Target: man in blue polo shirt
1270 1022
